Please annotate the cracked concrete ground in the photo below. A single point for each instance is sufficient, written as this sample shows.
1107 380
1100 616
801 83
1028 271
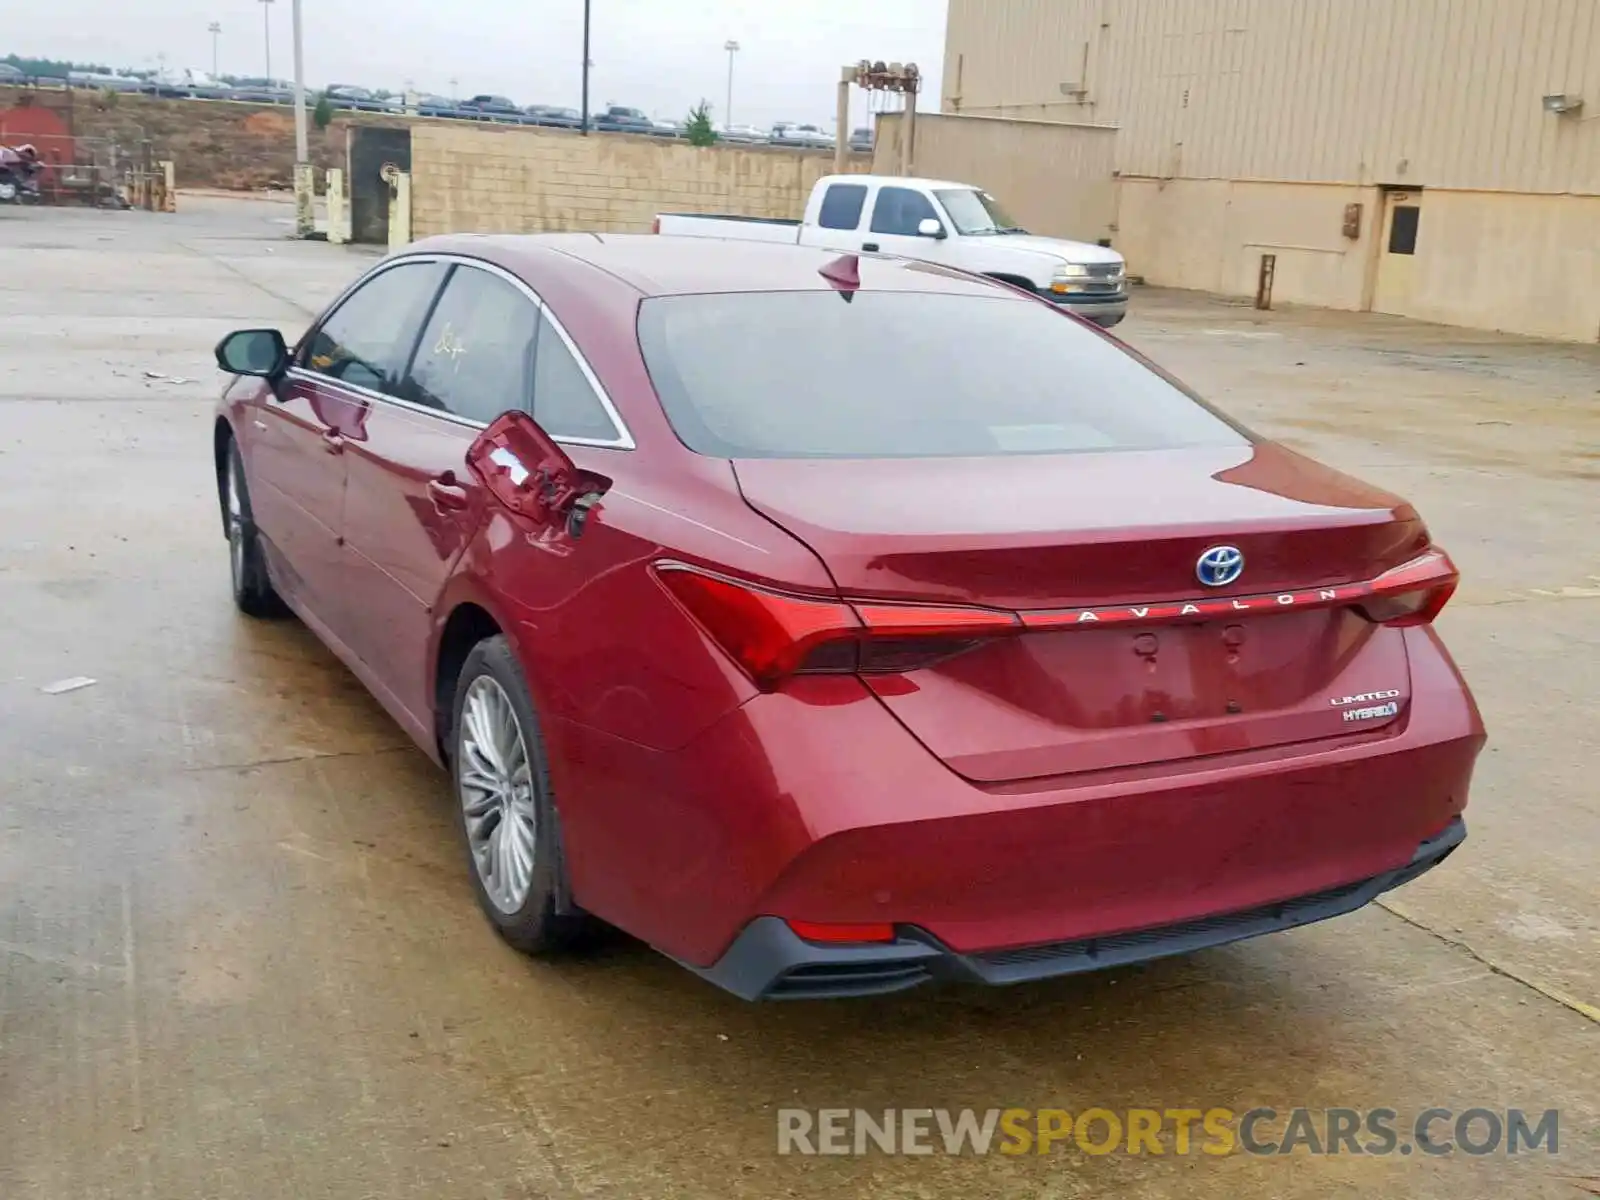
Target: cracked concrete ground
239 955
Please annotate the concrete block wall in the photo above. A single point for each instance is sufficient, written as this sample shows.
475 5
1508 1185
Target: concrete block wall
507 180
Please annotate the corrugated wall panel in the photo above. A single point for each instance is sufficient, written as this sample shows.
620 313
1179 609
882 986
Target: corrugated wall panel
1438 93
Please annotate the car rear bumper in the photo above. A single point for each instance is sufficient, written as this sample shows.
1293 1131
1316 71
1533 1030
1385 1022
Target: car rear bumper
815 804
769 961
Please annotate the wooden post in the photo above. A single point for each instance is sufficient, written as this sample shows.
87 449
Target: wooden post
1269 266
400 211
338 231
908 144
841 129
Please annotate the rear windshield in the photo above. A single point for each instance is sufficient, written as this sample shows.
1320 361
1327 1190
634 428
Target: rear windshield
904 375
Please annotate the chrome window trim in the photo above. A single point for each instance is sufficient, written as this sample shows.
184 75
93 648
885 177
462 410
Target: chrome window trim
623 440
308 376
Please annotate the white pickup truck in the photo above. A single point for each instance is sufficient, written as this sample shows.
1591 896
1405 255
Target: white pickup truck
952 223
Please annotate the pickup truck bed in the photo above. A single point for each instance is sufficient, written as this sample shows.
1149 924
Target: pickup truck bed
717 225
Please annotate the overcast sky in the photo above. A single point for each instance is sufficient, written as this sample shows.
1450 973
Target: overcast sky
658 55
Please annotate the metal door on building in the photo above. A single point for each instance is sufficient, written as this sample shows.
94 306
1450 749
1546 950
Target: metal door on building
370 149
1397 252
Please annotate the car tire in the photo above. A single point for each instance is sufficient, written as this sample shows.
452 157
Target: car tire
253 592
505 807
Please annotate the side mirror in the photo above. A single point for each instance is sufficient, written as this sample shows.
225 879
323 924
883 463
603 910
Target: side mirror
259 352
523 468
929 227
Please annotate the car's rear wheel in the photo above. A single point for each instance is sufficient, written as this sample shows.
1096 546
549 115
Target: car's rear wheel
253 592
504 804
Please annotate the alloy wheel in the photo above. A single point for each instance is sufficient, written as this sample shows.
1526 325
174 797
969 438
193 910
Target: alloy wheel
236 543
495 785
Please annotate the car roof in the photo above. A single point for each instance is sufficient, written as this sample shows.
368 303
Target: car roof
654 265
899 180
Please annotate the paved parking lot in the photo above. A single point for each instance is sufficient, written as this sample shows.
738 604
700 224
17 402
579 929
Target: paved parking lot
239 955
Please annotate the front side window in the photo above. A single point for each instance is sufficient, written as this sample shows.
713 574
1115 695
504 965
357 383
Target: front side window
905 375
365 341
475 358
901 210
976 213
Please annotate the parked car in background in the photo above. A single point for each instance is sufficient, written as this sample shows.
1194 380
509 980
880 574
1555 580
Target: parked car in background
551 115
787 134
491 106
167 89
741 133
97 80
263 94
861 139
11 75
837 648
357 99
437 106
618 118
952 223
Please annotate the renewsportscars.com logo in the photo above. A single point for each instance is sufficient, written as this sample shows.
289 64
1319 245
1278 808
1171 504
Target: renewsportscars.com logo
1175 1131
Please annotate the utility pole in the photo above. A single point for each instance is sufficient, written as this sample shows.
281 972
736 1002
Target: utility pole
586 66
305 217
732 47
302 150
879 77
266 26
215 30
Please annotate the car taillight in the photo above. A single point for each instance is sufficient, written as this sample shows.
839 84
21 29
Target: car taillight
1413 593
773 635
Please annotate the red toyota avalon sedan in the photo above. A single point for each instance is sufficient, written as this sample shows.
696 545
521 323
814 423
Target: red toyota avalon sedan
835 625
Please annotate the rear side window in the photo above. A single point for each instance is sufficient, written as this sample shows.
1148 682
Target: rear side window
365 341
475 359
901 210
564 401
841 206
905 375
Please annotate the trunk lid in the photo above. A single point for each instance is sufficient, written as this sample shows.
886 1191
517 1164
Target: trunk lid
1105 532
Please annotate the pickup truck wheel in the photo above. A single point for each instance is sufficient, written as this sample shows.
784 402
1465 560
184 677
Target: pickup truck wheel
505 808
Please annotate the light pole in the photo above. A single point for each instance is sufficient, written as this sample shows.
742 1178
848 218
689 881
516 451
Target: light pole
732 47
266 27
215 30
586 64
304 178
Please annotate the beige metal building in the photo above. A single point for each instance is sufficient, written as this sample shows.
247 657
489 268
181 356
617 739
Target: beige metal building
1437 159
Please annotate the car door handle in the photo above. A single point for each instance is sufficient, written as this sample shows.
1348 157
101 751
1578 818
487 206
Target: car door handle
447 494
869 246
333 441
